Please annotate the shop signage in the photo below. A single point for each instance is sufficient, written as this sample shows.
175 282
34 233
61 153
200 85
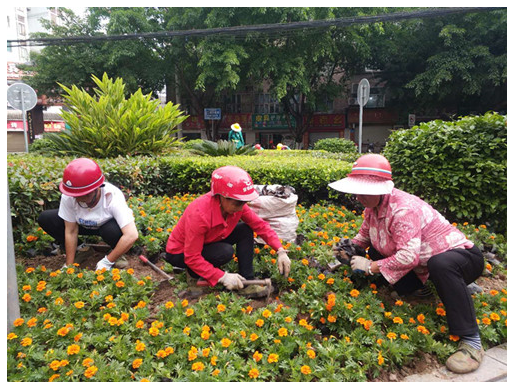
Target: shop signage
271 121
328 121
375 116
194 123
243 119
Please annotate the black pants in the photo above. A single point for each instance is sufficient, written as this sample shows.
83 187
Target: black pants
54 225
221 252
450 272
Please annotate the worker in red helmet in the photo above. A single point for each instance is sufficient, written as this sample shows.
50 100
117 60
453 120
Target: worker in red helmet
90 206
210 226
410 242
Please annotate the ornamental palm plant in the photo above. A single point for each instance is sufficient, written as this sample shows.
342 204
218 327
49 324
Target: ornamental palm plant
109 125
221 148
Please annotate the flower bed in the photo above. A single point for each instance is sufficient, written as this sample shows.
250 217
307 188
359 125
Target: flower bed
80 325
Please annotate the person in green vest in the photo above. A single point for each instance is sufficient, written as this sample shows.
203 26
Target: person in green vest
236 136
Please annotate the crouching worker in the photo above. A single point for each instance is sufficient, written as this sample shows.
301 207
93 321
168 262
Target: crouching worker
210 226
410 242
90 206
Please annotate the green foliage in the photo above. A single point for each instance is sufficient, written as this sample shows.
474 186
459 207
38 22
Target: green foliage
221 148
108 125
190 143
33 180
459 167
42 146
336 145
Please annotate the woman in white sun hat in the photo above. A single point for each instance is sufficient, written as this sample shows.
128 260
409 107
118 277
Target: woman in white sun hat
410 242
236 136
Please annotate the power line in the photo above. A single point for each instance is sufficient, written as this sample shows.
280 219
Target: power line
245 29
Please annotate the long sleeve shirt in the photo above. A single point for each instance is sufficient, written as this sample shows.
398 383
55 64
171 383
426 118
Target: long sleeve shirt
202 223
407 231
237 137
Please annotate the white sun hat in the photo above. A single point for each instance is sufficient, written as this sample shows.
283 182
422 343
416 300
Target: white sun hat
370 175
363 185
236 127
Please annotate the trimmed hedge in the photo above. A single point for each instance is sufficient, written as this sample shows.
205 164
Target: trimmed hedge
459 167
33 180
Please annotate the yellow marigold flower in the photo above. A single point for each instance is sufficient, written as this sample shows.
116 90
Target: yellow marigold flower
404 337
205 352
220 308
257 356
26 297
306 370
186 331
137 363
311 353
184 303
169 350
494 292
259 322
55 365
199 366
321 276
391 336
283 332
18 322
26 288
79 304
140 346
154 331
253 337
225 342
354 293
305 262
367 324
379 341
288 319
331 319
347 338
169 305
87 362
486 321
214 360
397 320
253 373
12 336
100 278
273 358
53 377
139 324
330 281
266 313
189 312
243 334
63 331
215 372
73 349
381 360
119 284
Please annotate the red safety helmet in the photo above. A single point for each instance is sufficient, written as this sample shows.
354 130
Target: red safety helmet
81 177
234 183
372 165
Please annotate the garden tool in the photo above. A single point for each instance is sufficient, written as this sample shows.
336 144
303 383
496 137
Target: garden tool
343 251
146 261
266 282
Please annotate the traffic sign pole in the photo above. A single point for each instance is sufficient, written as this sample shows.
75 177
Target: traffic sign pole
362 98
22 96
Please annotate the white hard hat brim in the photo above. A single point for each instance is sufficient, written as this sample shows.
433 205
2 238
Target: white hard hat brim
363 186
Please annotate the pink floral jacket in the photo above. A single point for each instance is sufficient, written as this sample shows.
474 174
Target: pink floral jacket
408 232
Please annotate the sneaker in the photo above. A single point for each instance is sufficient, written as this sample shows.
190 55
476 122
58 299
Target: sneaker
254 291
465 359
83 253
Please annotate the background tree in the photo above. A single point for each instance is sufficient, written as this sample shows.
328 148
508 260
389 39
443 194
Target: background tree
449 65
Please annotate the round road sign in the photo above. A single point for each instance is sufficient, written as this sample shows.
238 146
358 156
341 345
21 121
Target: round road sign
363 92
21 96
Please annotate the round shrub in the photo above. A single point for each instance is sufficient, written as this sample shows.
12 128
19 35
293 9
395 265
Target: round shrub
336 145
459 167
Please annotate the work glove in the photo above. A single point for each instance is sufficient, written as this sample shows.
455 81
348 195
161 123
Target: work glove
104 263
283 262
232 281
360 264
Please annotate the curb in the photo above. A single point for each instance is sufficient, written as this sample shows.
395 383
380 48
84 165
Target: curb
493 368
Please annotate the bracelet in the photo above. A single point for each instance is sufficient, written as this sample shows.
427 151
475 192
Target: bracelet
369 270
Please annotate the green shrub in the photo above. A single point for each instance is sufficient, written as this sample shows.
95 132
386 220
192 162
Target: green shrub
459 167
190 143
33 180
42 146
109 125
336 145
221 148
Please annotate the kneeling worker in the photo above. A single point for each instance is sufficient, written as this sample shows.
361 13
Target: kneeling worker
203 238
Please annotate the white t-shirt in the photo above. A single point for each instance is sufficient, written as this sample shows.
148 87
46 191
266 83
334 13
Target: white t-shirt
111 204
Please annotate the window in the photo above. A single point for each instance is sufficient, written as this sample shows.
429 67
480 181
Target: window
376 97
265 103
238 103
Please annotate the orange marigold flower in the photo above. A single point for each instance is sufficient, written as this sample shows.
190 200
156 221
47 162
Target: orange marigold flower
215 372
306 370
87 362
257 356
225 342
494 316
220 308
381 360
283 332
330 281
397 320
137 363
259 322
199 366
494 292
311 353
18 322
454 337
423 330
486 321
73 349
79 304
421 318
253 373
354 293
440 312
391 336
404 337
273 358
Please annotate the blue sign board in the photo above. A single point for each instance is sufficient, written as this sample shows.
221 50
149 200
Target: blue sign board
212 113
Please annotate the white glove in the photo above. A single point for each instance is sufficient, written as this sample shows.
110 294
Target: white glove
283 262
104 263
360 264
232 281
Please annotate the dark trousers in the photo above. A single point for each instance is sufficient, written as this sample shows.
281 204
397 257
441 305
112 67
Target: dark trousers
221 252
54 225
450 273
